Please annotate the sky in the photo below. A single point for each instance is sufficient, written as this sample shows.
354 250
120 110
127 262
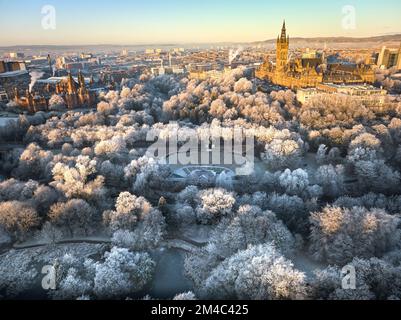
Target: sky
129 22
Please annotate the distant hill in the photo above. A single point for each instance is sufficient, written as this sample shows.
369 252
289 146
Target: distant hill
81 47
376 39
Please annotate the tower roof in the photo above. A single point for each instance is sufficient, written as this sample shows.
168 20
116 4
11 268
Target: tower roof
283 31
71 83
283 36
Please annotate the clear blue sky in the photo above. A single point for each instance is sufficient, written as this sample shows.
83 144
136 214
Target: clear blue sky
189 21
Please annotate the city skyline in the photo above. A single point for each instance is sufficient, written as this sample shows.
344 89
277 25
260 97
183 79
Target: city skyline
134 23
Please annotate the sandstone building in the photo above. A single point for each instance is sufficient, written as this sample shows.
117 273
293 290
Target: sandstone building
308 71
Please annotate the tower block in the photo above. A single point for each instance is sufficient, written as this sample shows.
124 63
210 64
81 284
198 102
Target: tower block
399 59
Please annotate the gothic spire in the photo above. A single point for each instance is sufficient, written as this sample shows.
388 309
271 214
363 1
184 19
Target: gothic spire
283 32
81 79
71 84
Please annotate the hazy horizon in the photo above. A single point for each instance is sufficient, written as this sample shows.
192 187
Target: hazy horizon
166 44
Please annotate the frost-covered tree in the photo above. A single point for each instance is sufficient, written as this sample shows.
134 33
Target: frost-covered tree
375 280
18 218
113 174
147 175
57 103
391 204
294 182
367 142
43 198
377 176
243 85
10 160
339 234
79 181
331 179
184 215
147 234
106 108
188 196
292 210
258 273
5 238
218 109
50 233
34 163
214 204
382 278
76 215
135 223
13 189
326 157
250 226
111 148
187 296
281 154
75 277
365 157
327 284
129 210
73 286
14 131
122 273
258 199
321 155
330 110
90 119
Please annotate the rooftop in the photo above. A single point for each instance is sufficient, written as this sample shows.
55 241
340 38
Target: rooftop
55 80
11 74
353 86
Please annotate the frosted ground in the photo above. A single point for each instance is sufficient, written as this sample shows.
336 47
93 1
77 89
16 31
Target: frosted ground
324 194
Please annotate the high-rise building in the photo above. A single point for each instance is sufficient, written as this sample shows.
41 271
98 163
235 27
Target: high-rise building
16 55
2 67
12 66
3 95
49 61
85 56
389 58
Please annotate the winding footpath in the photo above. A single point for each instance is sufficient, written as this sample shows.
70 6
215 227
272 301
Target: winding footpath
180 244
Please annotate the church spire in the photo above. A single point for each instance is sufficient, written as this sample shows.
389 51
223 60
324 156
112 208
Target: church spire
81 79
282 49
283 32
71 84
